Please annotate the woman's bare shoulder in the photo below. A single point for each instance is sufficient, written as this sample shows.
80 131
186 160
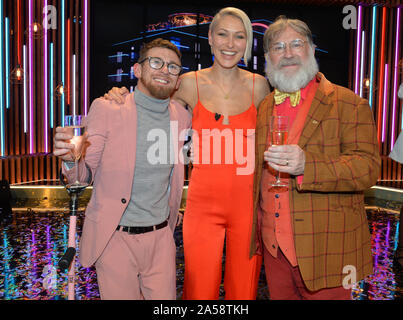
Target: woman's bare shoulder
261 88
188 76
187 91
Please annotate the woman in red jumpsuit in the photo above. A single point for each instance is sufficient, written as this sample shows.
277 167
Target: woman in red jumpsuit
219 204
223 99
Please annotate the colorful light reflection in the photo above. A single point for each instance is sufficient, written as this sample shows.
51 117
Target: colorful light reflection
2 122
358 51
41 238
395 80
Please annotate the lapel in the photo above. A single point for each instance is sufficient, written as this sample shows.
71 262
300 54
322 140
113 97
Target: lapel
176 178
129 120
321 104
175 129
262 124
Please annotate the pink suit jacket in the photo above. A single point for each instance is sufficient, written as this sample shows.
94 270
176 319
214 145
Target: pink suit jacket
110 157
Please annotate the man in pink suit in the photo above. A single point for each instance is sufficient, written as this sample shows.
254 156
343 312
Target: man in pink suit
134 158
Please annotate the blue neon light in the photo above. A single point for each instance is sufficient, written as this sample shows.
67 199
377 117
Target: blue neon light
7 33
2 123
51 88
63 63
371 77
118 75
25 89
119 55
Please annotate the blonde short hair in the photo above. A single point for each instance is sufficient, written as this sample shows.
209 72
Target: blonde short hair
279 25
235 12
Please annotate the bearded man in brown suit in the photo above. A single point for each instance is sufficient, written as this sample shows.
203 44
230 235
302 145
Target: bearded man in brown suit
313 234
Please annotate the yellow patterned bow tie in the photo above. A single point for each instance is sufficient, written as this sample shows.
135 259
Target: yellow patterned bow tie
279 97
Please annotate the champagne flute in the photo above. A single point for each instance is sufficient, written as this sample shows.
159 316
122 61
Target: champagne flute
278 136
76 127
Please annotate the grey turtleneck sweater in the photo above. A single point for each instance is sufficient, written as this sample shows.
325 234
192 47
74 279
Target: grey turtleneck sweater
148 204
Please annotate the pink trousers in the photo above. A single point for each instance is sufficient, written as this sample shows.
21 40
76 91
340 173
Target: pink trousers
285 282
139 266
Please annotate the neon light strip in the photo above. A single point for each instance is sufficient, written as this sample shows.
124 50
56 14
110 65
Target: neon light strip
265 20
31 80
118 75
257 24
7 33
2 123
357 55
45 81
122 55
31 187
19 31
86 44
25 90
63 63
51 89
395 87
67 85
371 77
157 34
362 62
385 100
381 72
73 87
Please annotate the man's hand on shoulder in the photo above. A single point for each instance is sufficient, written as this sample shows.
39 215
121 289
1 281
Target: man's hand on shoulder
117 94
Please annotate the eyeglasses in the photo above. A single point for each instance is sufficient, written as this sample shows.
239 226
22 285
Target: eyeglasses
295 45
157 64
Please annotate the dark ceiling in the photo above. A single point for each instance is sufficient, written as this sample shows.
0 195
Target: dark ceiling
389 3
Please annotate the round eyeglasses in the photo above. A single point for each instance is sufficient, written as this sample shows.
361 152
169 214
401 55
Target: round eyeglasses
295 45
157 64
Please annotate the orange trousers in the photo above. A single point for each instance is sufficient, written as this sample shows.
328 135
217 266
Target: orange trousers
215 213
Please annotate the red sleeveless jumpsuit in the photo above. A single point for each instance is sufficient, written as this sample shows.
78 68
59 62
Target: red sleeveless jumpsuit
219 207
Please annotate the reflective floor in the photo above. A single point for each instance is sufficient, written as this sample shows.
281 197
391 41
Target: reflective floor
32 242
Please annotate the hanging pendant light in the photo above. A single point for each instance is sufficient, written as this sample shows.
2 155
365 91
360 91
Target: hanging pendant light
61 91
36 30
366 83
17 75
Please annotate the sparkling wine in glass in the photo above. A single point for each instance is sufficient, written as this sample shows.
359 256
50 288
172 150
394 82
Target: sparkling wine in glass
278 136
76 127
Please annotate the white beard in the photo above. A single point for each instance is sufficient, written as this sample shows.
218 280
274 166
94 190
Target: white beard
286 83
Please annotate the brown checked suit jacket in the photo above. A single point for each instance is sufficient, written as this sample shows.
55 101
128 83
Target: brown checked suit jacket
331 231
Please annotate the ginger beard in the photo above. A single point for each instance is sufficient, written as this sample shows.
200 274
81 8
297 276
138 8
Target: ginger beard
159 84
159 87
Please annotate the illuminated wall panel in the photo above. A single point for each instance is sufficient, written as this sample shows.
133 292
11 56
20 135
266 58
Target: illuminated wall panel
382 66
30 110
